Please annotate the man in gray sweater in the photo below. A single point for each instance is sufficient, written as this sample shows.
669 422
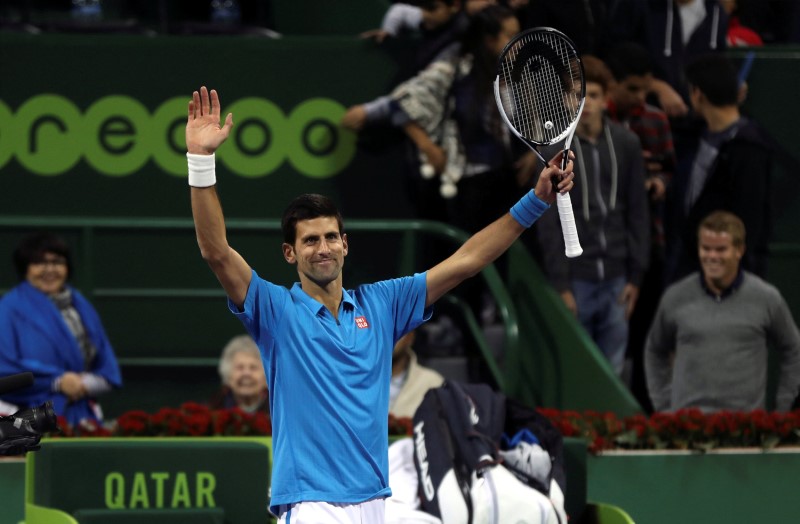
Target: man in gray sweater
708 345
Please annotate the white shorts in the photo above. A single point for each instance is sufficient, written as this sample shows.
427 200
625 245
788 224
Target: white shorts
312 512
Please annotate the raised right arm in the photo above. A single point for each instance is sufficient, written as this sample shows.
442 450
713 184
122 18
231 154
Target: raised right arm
203 136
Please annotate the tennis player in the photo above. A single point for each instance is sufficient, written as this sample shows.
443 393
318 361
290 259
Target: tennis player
327 351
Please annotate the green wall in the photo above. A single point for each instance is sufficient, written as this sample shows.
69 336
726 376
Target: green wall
93 125
774 70
12 489
726 487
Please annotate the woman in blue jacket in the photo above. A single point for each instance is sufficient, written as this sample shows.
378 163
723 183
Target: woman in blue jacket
48 328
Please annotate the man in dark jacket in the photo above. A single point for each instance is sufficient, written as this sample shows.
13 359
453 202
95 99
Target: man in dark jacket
677 31
602 285
729 169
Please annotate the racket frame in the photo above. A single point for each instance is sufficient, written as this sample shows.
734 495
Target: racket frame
571 243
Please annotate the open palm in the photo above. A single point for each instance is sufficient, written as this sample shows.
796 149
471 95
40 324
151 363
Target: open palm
203 132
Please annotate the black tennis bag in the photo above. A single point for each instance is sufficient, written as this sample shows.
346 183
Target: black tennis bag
463 478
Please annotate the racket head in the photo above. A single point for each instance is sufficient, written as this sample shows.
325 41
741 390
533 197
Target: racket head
540 87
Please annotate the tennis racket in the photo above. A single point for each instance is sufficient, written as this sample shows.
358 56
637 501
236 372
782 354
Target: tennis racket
540 91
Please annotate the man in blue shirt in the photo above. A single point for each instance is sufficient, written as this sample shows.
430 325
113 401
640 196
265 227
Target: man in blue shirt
327 351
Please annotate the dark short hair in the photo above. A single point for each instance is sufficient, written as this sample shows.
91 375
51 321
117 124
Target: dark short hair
486 22
715 77
725 222
628 59
33 247
595 70
306 207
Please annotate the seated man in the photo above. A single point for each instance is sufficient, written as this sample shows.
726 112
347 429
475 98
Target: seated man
410 380
707 347
244 384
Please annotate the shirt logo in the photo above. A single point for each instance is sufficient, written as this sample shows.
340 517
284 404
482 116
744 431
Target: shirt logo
362 323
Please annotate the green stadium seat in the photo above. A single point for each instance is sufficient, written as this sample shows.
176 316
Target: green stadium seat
608 514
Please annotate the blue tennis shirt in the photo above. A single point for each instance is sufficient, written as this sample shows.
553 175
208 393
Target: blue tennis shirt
329 384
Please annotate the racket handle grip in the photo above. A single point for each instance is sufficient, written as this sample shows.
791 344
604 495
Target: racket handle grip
572 245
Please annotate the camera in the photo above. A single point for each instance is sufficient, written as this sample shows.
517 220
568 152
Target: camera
22 431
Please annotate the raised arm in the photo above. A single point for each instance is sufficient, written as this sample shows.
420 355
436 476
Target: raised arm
486 245
203 136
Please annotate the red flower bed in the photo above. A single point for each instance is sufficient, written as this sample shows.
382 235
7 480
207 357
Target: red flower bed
400 426
190 420
682 430
685 429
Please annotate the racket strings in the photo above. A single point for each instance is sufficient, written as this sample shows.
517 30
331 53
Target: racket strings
543 97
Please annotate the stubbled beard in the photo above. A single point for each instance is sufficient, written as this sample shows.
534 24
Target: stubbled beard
321 280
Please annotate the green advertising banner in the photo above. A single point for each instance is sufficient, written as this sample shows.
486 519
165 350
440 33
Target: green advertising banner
93 125
196 476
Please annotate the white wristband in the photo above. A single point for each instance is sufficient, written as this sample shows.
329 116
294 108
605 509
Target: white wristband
202 171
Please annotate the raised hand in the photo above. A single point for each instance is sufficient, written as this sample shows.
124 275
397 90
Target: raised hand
203 132
379 35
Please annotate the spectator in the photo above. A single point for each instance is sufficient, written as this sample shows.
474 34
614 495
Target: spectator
328 348
677 32
602 285
728 169
738 34
592 25
448 111
467 169
774 21
632 70
244 384
440 24
48 328
631 67
709 342
410 380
